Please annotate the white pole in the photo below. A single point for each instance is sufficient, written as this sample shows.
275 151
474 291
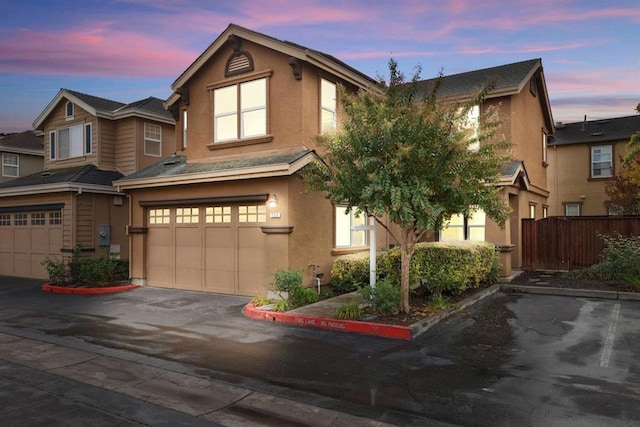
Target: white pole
372 252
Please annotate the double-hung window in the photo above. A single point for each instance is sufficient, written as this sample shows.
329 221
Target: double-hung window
346 236
328 106
240 111
152 140
462 227
471 124
73 141
601 161
10 165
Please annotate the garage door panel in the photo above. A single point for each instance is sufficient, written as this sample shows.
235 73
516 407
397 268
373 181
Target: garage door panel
38 271
188 259
22 264
6 263
55 240
159 262
252 265
6 239
39 240
22 239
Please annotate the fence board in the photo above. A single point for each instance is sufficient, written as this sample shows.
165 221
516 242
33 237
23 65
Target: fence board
567 243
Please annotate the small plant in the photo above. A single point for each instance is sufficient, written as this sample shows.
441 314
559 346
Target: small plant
350 310
384 298
260 300
79 271
287 280
303 296
439 302
281 305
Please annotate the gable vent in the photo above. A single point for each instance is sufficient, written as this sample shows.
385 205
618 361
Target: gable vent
238 63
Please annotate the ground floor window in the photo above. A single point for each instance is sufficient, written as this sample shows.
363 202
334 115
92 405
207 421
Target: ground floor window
460 227
345 221
572 209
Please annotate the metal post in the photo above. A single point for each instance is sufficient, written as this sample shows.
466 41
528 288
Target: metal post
372 252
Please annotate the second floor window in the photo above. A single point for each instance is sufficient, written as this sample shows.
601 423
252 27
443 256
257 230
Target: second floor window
74 141
601 161
240 111
152 140
184 129
328 106
68 110
10 165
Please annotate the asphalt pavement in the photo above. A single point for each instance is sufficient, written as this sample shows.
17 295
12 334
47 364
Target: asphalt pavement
153 356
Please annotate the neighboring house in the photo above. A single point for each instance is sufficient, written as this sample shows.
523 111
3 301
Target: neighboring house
21 154
89 142
230 208
583 157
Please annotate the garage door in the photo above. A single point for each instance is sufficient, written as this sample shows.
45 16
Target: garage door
208 248
26 239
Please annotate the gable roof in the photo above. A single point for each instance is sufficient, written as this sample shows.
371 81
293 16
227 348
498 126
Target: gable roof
149 108
513 172
616 129
316 58
507 79
175 169
26 142
82 179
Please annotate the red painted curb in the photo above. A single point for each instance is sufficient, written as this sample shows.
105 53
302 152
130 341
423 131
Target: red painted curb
48 287
369 328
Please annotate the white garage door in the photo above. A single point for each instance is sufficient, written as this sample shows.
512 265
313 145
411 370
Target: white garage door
208 248
26 239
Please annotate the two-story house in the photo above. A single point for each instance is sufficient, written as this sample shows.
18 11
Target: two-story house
230 208
583 157
89 142
21 154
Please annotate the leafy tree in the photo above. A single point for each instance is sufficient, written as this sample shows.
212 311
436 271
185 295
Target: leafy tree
624 195
403 153
631 163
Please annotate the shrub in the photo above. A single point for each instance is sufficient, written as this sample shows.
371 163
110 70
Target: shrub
260 300
290 281
303 296
350 310
281 305
384 298
621 261
350 271
86 271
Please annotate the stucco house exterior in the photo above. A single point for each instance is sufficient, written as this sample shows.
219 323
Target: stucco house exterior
229 208
89 142
21 154
583 157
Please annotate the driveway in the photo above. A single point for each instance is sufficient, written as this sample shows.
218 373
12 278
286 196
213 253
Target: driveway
509 360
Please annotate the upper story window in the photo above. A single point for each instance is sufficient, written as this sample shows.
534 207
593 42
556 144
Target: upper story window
184 129
544 147
74 141
240 111
462 227
10 164
68 110
602 161
346 236
328 106
472 123
152 140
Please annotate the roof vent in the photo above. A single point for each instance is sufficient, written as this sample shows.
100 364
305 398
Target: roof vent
170 161
597 134
45 174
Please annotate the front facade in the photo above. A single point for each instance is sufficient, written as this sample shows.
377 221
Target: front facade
229 209
21 154
583 157
89 142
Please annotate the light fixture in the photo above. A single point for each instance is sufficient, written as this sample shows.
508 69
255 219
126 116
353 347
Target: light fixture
272 202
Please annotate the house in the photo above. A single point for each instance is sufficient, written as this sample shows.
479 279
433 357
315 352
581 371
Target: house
229 208
583 157
89 142
21 154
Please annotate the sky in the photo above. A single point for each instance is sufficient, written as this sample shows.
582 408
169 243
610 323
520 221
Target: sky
127 50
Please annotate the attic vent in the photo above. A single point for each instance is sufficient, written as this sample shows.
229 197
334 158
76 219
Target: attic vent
597 134
240 62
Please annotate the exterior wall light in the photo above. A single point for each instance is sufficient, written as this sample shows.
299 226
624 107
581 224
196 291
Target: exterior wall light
272 202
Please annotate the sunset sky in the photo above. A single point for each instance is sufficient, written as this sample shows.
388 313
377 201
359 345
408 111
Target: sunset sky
126 50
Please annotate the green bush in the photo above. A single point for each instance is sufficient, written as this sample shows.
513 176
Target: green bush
303 296
384 298
290 281
79 271
621 261
350 310
350 271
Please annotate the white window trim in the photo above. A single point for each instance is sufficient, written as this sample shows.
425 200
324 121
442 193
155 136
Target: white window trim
591 169
52 145
332 109
88 138
184 128
159 141
54 141
68 116
7 165
467 226
240 112
340 210
544 147
572 204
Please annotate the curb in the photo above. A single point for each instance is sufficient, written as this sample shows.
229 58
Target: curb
568 292
48 287
369 328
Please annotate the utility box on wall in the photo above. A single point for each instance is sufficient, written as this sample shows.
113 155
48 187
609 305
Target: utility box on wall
104 235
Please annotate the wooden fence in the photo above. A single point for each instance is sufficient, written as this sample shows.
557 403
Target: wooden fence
566 243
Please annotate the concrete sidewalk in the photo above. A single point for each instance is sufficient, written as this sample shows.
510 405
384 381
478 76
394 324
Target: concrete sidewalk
42 383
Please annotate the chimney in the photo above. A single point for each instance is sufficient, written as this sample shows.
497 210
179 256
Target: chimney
584 123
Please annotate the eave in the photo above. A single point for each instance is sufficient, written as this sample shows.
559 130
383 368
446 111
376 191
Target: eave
58 188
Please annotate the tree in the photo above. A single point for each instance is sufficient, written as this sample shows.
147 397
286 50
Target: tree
402 153
631 162
624 195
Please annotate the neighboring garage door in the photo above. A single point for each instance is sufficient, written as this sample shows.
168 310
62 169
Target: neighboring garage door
26 239
208 248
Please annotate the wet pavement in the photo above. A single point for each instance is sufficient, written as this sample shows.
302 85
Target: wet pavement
508 360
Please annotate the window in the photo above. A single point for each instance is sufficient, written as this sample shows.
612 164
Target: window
184 129
545 211
532 211
38 218
73 141
465 228
345 221
152 140
255 213
328 106
544 147
217 215
10 164
5 220
68 110
472 123
159 216
20 219
240 111
572 209
187 215
601 161
55 218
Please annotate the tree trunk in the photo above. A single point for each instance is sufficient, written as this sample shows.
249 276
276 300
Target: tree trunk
407 248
